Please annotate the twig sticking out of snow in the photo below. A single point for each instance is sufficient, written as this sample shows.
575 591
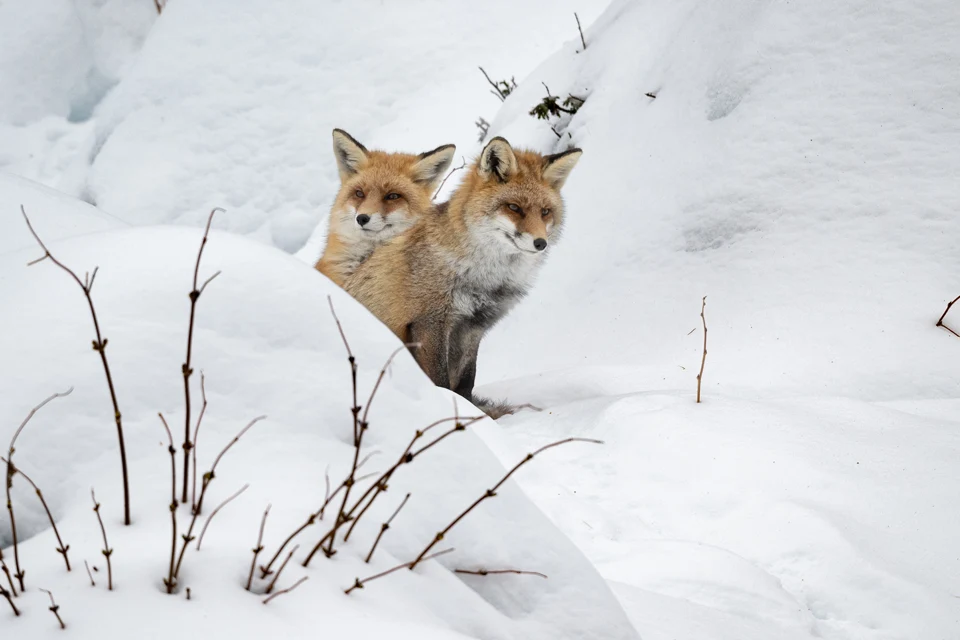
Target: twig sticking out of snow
217 510
170 582
944 315
12 471
100 346
452 171
207 479
580 30
6 594
287 590
703 361
186 369
196 434
107 551
384 527
257 549
500 89
490 493
63 548
358 583
89 575
6 572
487 572
280 570
55 608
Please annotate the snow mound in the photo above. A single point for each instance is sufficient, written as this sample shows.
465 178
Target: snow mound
267 345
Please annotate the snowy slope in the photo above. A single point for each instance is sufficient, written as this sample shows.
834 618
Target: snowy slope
276 353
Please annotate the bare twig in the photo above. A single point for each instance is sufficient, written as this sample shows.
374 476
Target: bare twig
496 89
490 493
100 346
217 510
205 483
944 315
287 590
257 549
452 171
107 551
703 361
196 434
89 575
280 570
384 527
582 40
159 5
170 582
487 572
186 369
188 593
55 608
6 594
651 94
359 584
6 572
12 471
63 548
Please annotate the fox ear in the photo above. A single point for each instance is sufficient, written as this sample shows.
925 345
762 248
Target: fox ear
350 154
498 160
557 168
433 165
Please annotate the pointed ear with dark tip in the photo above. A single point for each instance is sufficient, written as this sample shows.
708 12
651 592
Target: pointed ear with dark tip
557 167
497 160
350 154
432 166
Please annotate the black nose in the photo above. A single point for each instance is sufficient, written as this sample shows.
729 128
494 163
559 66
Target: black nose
540 244
363 219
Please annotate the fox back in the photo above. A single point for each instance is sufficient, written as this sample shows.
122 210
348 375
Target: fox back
381 196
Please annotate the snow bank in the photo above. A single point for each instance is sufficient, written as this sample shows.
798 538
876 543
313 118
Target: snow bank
267 345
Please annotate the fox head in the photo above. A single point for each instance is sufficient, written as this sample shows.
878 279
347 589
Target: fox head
514 196
382 194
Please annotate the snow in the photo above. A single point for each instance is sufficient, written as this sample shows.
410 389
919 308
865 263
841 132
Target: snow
797 167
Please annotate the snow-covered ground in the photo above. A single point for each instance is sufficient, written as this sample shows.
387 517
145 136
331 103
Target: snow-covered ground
797 165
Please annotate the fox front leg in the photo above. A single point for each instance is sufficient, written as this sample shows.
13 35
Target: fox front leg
464 347
431 353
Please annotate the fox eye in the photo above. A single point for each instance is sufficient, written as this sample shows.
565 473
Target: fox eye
515 208
392 196
545 212
358 193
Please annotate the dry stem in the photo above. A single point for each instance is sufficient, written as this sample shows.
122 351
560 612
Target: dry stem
358 583
493 492
185 369
63 548
169 582
55 608
703 361
6 572
6 594
384 527
100 346
944 315
487 572
89 575
496 90
580 30
107 551
287 590
280 570
257 549
452 171
217 510
196 433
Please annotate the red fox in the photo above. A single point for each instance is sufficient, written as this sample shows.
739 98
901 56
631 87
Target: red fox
381 196
460 269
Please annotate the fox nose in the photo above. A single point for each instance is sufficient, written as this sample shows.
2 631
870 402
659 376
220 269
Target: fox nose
363 219
540 244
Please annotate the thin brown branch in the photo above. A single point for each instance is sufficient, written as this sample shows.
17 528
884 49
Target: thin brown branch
384 527
107 551
196 434
582 40
487 572
280 570
944 315
63 548
89 575
6 594
186 370
355 408
216 511
447 177
159 5
287 590
100 346
703 361
12 471
55 608
170 582
6 572
496 89
490 493
257 549
359 584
